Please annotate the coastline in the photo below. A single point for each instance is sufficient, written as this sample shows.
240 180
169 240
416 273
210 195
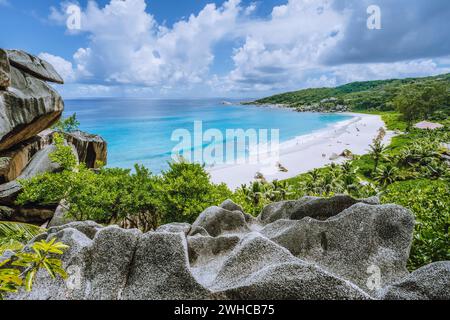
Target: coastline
306 152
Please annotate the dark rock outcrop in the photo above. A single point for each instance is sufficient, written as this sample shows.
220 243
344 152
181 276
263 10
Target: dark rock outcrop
14 160
39 163
233 259
34 66
28 107
91 148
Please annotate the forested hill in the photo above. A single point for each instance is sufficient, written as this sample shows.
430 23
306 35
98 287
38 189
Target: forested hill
355 96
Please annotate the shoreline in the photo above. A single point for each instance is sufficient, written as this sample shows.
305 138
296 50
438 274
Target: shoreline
306 152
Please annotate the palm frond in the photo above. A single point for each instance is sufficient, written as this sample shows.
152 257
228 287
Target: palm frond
12 232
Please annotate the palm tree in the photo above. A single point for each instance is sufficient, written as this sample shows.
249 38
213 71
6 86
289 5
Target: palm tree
386 175
349 176
377 150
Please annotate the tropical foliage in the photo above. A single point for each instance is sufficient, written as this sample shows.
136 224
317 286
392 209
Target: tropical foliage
19 268
136 199
13 235
68 124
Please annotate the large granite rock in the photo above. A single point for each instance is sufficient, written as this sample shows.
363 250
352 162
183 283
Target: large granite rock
361 237
235 259
39 163
5 72
317 208
91 148
14 161
217 221
28 107
431 282
34 66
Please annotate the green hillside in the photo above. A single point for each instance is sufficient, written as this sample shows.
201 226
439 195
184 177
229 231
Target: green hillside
367 95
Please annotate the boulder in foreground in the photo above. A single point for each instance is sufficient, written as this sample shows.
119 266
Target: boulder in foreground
230 258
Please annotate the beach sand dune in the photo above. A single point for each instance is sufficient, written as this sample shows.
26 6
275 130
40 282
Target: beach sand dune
307 152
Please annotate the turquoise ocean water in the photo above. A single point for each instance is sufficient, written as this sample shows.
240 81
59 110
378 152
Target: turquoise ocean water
139 131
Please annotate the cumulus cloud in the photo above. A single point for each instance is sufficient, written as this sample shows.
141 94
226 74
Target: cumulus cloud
411 29
62 66
285 49
303 43
127 46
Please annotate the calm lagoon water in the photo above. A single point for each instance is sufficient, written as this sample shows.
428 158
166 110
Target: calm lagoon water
139 131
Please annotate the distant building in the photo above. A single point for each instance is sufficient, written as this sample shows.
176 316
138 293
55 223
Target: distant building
426 125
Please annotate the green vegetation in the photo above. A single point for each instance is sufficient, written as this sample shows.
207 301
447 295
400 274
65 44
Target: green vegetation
423 101
430 202
412 171
371 95
21 266
68 124
13 235
118 196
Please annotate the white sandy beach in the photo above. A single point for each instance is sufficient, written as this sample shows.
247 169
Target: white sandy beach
307 152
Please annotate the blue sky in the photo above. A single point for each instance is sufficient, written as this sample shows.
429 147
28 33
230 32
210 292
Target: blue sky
201 48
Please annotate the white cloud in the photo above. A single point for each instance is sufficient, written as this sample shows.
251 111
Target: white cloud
127 46
284 51
403 69
62 66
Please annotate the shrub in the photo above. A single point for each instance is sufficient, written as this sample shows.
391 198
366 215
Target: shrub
186 190
69 124
118 196
430 202
20 268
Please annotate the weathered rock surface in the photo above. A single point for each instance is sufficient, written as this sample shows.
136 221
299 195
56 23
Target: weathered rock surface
15 160
28 107
217 221
91 148
351 242
35 214
320 209
33 66
40 163
231 206
5 72
59 218
233 259
431 282
175 227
